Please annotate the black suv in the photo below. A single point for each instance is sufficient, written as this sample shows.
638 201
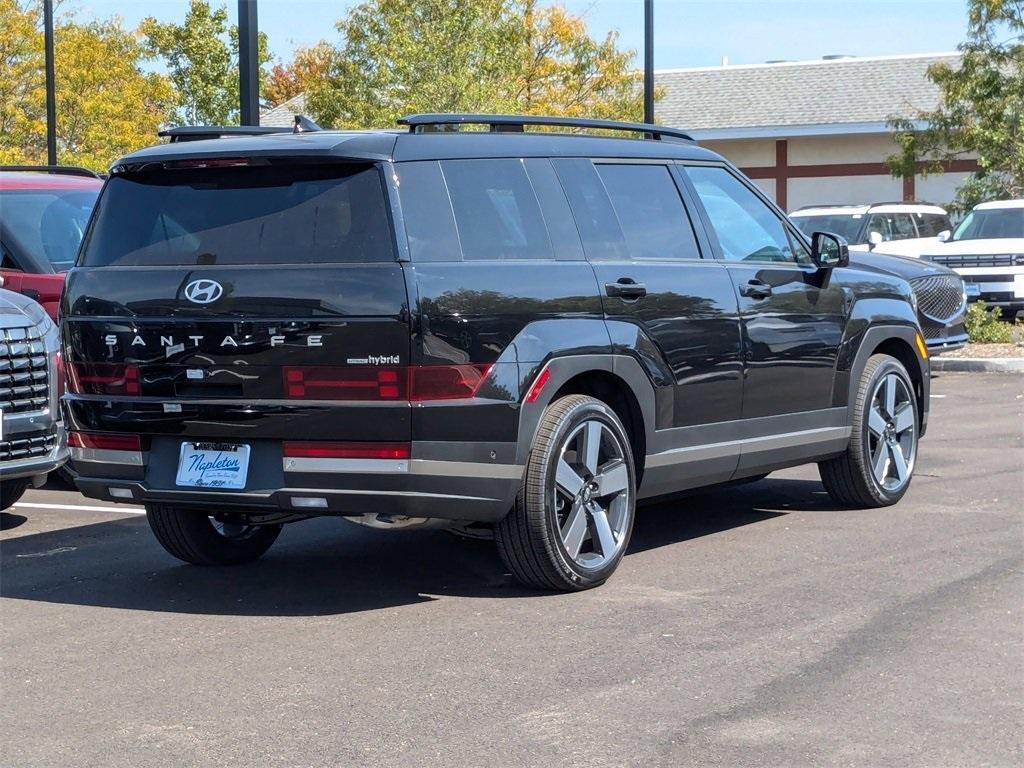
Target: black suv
529 329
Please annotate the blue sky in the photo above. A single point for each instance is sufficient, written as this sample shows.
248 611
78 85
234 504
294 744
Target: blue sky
687 32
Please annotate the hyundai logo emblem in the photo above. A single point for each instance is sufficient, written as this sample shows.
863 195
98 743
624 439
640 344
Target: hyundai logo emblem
203 291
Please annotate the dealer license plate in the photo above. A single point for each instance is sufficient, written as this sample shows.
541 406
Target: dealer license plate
213 465
973 290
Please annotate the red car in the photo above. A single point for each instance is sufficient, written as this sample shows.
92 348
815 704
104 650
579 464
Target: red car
43 214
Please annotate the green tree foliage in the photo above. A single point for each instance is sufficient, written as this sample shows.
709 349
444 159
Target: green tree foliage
308 65
201 57
106 104
401 56
982 108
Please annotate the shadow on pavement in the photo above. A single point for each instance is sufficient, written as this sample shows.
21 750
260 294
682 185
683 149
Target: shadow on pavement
9 521
328 566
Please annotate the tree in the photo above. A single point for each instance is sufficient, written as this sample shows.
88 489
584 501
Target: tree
201 55
397 57
564 71
308 65
981 111
106 105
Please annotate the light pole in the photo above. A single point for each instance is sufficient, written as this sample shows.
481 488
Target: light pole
248 63
648 61
51 99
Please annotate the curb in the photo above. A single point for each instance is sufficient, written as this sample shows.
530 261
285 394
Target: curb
977 364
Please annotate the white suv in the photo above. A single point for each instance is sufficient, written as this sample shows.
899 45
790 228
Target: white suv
901 229
987 249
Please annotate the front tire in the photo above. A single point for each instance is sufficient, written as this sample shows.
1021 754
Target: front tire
192 535
573 517
876 469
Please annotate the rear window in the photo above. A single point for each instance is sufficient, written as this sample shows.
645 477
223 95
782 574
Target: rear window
47 224
250 215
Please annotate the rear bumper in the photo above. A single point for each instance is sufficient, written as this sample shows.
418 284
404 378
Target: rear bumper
466 485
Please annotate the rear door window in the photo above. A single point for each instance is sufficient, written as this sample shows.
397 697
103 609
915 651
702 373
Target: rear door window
650 211
249 215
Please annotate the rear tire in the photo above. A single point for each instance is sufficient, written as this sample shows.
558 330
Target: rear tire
877 466
573 517
11 491
193 536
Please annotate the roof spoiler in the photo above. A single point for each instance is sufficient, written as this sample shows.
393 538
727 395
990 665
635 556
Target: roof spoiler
202 132
437 123
64 170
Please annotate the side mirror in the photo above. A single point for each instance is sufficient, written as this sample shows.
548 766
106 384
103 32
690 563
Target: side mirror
829 250
944 236
875 238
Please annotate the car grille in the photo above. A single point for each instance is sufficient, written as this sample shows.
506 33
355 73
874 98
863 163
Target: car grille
23 371
978 260
27 446
940 297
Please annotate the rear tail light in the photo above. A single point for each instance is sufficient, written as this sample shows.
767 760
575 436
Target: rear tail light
344 383
446 382
103 379
415 383
108 441
208 162
296 449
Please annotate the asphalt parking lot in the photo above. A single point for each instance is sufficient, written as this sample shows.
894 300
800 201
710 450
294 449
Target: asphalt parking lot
754 625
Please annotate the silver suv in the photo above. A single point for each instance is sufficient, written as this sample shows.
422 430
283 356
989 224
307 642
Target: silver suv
32 437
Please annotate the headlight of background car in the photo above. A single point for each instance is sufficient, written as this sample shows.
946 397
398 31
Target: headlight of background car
913 300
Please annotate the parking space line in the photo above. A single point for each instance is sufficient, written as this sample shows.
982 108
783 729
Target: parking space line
81 508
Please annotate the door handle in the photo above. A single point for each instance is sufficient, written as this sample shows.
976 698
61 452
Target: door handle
626 288
756 289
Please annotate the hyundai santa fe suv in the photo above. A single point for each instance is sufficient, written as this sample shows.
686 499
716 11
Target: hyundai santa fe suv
526 329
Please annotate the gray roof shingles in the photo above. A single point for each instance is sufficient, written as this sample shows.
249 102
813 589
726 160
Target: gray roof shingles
842 91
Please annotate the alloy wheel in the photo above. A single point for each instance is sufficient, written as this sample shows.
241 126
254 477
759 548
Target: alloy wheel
892 430
591 494
233 530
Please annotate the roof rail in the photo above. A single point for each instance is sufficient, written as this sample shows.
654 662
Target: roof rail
199 132
866 205
903 202
65 170
517 124
831 205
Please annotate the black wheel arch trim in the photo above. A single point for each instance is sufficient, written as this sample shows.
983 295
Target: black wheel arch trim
875 339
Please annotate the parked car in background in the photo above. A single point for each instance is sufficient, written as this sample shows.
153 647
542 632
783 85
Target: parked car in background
32 437
987 250
43 214
902 229
531 330
939 295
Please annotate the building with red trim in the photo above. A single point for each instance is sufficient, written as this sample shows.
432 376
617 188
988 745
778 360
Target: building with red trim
812 132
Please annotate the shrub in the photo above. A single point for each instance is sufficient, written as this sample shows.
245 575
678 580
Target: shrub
985 327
